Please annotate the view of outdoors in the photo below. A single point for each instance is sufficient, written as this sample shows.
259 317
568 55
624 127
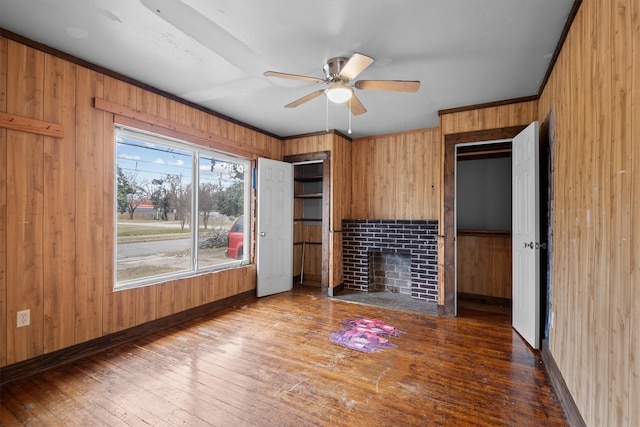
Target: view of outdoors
175 206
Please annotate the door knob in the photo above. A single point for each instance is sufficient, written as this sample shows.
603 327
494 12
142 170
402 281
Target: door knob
262 234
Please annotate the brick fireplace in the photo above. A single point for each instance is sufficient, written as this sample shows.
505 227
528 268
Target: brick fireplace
367 242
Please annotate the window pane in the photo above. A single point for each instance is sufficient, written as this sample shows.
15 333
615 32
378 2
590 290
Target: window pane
163 188
220 203
154 207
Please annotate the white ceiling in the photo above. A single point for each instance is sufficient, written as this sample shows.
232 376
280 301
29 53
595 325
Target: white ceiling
214 52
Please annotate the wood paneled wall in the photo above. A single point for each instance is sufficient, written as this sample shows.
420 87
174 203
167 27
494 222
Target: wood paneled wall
341 196
311 235
56 218
595 89
489 118
397 176
3 207
484 263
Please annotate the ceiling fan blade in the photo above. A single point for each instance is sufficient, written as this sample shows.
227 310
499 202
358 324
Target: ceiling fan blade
305 98
392 85
355 106
355 65
293 76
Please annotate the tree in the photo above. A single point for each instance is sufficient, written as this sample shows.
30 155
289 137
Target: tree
170 194
231 200
159 198
130 193
207 201
232 170
179 198
123 191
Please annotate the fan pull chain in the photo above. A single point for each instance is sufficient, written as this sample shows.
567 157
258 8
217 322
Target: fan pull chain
326 127
349 113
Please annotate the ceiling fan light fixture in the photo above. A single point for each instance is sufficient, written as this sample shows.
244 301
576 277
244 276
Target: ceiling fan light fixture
339 94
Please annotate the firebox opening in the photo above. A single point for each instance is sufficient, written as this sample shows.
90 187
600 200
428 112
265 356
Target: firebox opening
390 271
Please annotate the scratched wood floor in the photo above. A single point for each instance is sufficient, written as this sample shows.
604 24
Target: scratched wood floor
271 363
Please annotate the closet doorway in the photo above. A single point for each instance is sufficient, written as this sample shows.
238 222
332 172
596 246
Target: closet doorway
311 213
483 226
451 144
547 143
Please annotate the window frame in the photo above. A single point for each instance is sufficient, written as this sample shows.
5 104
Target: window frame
197 151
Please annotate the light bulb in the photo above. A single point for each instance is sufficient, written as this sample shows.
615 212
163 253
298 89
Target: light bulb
339 94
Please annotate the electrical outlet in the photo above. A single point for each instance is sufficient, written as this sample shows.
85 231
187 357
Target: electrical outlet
23 318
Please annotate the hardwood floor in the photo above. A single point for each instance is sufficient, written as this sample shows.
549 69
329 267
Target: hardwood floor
271 363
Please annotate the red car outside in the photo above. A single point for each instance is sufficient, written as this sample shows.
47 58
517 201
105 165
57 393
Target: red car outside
236 239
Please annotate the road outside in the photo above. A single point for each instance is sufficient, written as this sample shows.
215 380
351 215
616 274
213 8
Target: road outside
160 247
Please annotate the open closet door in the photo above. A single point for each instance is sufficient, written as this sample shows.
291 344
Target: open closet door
274 247
526 235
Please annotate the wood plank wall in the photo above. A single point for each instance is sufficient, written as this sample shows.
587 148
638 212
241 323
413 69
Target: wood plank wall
484 263
311 235
3 206
595 89
56 221
397 176
489 118
341 197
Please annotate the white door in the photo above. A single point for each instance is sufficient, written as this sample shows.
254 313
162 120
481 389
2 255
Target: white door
274 248
526 235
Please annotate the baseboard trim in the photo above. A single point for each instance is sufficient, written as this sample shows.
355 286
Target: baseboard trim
562 391
66 355
485 299
336 290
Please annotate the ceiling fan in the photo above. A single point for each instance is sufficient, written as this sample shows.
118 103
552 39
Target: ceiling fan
339 73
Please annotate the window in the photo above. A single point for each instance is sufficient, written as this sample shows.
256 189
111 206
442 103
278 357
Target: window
175 205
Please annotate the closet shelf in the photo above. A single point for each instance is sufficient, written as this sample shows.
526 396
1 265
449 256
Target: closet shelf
317 178
308 196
